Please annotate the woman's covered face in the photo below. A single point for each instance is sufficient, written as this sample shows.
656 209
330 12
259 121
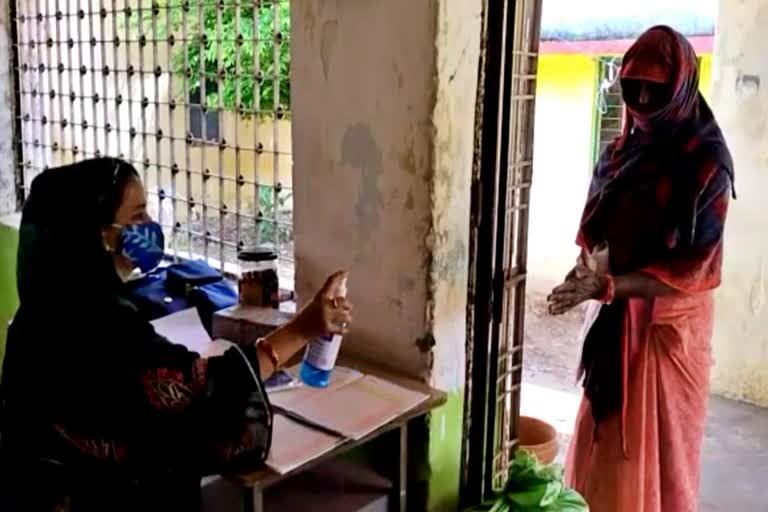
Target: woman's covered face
133 238
645 97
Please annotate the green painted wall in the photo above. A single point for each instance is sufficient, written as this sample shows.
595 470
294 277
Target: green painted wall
9 239
445 433
434 446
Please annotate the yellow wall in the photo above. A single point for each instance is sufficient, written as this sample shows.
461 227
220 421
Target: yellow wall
705 76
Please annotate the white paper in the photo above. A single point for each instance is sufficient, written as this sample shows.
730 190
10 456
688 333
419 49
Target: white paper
293 445
184 328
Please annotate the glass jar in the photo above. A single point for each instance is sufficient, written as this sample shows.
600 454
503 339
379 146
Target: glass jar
258 281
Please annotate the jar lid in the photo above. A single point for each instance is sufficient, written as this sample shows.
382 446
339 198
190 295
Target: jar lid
257 254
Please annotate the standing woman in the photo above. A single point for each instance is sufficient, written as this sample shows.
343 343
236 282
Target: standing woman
652 245
98 411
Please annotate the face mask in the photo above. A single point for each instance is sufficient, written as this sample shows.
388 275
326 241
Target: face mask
143 244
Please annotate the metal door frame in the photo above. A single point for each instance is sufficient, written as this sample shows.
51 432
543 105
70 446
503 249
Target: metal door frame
501 170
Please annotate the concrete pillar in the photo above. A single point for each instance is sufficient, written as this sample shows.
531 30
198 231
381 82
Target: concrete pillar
740 101
7 158
383 96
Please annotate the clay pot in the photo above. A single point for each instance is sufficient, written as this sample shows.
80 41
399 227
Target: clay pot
539 438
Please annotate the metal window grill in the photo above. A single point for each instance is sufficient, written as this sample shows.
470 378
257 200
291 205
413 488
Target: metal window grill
502 175
515 187
126 78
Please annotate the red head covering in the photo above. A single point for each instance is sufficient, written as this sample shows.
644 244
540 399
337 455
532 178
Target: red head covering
665 56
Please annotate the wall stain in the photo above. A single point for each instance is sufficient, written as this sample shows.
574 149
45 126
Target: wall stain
359 150
329 34
757 293
409 201
408 160
451 264
310 19
405 284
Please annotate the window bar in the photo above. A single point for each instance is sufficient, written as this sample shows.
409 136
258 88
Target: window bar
28 83
95 67
48 92
40 80
256 118
143 92
203 124
62 114
222 142
157 72
170 37
118 100
21 16
39 87
275 127
239 110
82 72
128 14
187 159
104 83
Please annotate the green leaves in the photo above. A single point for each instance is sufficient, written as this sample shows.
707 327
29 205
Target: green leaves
240 50
534 487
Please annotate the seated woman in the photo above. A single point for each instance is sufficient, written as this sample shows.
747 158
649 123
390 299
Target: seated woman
98 410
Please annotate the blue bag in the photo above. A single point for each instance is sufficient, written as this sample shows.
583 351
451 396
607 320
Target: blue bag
182 286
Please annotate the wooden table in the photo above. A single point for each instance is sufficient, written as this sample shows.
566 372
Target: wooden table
255 483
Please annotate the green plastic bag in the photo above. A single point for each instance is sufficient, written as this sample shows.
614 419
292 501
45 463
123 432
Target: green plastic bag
534 487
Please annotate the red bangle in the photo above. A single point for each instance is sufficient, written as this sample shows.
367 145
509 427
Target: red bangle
263 345
610 290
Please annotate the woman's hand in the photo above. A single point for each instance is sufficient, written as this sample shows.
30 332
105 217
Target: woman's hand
327 313
583 284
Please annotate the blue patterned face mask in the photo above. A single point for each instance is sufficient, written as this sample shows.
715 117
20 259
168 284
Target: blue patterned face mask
143 244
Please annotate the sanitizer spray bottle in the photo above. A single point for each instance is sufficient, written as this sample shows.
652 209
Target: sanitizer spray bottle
321 354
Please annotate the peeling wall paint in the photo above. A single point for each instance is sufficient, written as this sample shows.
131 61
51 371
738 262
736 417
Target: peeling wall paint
740 344
458 43
7 156
382 170
364 79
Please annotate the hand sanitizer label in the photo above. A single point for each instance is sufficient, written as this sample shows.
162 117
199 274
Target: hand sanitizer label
322 352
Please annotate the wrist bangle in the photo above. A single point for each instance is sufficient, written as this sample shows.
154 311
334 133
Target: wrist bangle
263 345
610 290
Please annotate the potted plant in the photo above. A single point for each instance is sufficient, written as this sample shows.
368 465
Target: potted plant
534 487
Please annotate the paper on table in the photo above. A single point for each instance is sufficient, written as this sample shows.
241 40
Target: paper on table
294 444
184 328
357 408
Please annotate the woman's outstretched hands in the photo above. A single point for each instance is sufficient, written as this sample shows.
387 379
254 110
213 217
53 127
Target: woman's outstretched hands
585 282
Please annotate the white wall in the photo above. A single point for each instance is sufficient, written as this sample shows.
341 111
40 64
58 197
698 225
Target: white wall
741 105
